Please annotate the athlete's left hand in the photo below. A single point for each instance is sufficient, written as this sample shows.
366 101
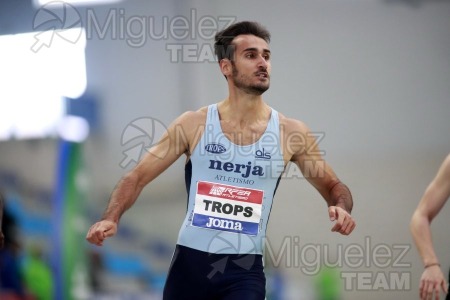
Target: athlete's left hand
344 221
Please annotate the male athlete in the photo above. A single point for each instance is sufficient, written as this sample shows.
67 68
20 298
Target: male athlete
434 198
236 151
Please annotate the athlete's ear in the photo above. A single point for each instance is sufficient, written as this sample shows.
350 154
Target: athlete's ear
225 67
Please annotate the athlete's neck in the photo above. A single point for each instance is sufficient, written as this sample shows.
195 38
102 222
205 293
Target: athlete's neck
249 109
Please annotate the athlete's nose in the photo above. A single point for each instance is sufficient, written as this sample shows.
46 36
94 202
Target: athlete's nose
262 62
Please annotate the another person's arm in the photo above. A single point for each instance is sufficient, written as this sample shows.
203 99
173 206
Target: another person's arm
434 198
307 156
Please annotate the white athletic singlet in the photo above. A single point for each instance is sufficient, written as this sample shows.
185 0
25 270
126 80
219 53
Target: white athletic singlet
231 189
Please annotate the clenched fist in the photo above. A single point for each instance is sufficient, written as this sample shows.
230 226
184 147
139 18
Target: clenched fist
344 221
100 231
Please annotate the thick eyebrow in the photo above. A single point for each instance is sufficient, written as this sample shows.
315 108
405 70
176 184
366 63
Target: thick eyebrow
255 49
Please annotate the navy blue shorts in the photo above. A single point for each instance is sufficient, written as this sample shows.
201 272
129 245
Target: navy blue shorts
198 275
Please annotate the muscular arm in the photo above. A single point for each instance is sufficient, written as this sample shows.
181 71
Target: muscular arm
306 154
429 206
157 160
340 196
172 145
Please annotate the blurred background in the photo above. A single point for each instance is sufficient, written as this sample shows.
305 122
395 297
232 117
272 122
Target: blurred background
87 86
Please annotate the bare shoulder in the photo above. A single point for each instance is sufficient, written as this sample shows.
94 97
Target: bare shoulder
291 126
191 119
196 115
296 138
189 126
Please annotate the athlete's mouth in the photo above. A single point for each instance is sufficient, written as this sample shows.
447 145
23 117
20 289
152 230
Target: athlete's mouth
262 74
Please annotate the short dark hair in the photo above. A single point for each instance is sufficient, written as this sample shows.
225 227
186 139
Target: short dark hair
223 39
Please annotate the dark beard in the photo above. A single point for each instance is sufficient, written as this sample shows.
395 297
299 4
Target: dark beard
256 90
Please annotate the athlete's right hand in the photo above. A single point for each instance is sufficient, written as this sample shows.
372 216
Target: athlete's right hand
100 231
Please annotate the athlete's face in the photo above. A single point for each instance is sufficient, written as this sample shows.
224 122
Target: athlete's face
251 65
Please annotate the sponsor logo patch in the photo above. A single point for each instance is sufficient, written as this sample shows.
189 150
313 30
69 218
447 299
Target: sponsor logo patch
215 148
262 154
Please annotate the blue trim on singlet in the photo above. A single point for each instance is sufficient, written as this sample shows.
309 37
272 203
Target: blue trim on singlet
187 179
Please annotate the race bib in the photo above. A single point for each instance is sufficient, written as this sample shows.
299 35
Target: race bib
227 208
